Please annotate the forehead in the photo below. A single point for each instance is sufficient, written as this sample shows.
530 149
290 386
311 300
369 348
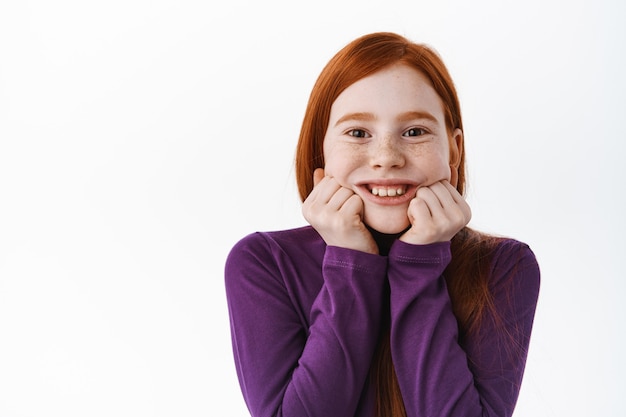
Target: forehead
392 89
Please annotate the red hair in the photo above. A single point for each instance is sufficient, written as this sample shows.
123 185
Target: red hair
467 274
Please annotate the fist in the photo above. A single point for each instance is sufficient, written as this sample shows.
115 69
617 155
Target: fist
437 213
336 212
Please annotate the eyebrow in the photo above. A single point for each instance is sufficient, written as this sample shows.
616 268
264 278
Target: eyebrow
404 117
359 117
415 115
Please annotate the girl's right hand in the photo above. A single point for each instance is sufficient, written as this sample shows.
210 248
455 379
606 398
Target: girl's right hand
336 213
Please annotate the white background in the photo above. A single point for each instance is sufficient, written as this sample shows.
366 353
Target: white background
139 140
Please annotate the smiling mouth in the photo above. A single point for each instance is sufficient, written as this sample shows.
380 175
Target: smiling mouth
387 191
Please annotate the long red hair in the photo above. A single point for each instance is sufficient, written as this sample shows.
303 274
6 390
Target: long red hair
467 274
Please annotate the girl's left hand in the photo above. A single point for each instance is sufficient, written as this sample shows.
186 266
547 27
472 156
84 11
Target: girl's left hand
437 213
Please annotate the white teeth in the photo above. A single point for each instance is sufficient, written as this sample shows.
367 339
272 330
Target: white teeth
388 192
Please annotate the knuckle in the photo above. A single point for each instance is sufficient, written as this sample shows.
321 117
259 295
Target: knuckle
422 191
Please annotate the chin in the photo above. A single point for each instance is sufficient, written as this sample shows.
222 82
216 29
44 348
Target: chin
388 226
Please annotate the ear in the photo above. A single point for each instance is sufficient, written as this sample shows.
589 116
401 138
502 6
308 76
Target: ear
456 154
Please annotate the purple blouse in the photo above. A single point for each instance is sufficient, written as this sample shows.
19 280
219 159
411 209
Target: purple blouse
305 320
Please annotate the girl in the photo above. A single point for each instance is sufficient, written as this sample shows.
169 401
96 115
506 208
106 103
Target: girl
387 304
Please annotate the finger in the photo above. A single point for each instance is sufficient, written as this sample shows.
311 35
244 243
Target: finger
353 205
453 192
452 213
318 175
430 199
444 195
324 190
450 199
418 209
442 205
459 200
339 198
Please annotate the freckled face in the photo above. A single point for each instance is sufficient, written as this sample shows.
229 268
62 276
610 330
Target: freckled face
387 137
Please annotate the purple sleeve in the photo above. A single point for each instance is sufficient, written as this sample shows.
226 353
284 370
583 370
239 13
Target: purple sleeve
438 376
285 368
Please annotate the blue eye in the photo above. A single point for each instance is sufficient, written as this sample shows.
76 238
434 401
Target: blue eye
358 133
415 131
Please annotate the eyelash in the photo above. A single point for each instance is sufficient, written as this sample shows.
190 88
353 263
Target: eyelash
421 129
362 134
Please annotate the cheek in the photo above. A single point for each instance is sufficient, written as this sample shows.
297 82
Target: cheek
432 160
441 154
340 159
329 159
440 168
441 161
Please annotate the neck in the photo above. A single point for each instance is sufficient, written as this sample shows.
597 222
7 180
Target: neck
385 240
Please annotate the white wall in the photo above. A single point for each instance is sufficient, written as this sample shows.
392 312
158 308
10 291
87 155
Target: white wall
140 139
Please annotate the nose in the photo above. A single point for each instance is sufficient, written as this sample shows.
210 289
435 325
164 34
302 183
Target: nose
386 153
